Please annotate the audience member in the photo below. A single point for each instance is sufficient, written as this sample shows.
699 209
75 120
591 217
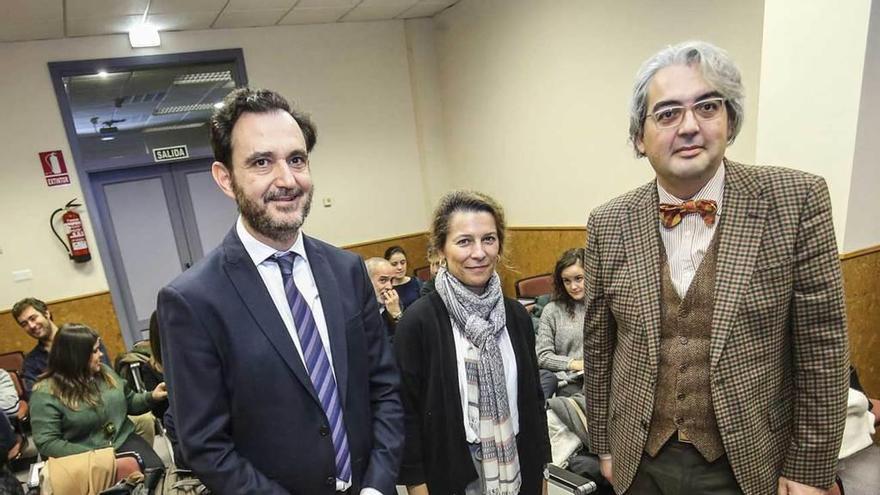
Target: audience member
9 399
475 420
281 375
80 404
9 484
34 317
407 287
434 261
560 338
715 338
381 272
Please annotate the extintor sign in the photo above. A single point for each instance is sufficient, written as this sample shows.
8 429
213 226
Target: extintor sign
54 168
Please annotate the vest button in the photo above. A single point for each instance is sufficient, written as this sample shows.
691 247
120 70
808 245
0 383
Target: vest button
680 397
330 481
324 430
682 368
683 340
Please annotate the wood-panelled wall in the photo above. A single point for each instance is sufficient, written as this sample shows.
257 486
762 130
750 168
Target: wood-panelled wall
861 283
94 310
528 251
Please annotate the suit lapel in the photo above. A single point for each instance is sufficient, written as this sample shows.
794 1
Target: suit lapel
249 285
640 240
743 220
331 302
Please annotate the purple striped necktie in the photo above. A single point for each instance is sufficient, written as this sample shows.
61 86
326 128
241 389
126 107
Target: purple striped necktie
317 363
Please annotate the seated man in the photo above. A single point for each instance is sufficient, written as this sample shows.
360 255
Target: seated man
34 317
381 274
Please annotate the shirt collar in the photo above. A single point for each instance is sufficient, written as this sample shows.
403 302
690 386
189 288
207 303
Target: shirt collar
259 251
714 190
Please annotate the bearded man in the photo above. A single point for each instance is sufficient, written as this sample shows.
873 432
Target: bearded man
279 372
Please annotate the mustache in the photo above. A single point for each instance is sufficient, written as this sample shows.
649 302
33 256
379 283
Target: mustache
283 193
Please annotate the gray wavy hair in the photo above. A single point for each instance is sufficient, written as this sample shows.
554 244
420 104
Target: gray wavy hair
716 67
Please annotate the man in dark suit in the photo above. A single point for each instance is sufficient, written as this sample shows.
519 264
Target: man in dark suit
382 275
715 334
280 376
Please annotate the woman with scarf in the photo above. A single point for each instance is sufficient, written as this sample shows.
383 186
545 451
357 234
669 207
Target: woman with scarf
474 410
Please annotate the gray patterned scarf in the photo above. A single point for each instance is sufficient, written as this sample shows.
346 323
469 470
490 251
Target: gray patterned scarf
481 319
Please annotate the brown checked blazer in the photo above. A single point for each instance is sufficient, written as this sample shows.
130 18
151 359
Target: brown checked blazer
778 353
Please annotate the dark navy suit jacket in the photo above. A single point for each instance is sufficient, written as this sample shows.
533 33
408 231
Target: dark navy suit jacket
246 415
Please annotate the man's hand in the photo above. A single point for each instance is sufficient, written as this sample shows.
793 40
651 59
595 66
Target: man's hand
789 487
392 302
607 469
576 365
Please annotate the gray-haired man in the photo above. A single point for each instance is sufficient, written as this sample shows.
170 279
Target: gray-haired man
715 332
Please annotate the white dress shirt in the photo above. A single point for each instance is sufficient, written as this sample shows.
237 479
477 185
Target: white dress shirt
270 272
508 358
687 243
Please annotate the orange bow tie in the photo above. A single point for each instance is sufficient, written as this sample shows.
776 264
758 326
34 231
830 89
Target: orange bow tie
670 215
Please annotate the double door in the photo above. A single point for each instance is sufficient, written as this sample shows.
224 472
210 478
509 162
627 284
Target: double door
157 221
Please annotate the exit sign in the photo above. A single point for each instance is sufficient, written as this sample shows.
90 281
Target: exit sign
170 153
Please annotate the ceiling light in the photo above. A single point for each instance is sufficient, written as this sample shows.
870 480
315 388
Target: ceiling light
175 127
219 104
108 138
102 74
143 35
203 77
195 107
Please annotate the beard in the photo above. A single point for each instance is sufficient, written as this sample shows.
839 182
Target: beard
257 215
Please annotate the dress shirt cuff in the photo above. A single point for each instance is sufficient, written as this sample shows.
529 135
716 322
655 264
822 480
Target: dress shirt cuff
370 491
605 457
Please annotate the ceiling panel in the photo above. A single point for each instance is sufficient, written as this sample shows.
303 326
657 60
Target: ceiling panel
101 25
248 18
243 5
23 30
426 9
305 4
182 21
377 12
85 9
314 15
178 6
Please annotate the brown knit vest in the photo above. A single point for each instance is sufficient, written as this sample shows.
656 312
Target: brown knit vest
683 398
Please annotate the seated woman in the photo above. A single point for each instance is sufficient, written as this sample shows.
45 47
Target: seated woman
473 409
560 339
407 287
80 404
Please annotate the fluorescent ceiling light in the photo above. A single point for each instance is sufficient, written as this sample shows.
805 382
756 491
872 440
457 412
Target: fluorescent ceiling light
143 35
102 74
202 77
195 107
219 104
108 138
176 127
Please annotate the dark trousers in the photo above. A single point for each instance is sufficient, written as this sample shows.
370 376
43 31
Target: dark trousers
680 469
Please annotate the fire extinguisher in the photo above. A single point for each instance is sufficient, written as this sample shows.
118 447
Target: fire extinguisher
77 246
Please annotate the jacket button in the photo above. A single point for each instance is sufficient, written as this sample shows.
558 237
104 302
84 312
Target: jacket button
683 340
324 430
330 481
680 397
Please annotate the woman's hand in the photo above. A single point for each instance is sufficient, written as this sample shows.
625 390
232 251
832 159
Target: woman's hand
159 393
576 365
417 489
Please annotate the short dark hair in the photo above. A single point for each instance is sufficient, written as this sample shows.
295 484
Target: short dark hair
29 302
464 201
243 100
571 257
394 250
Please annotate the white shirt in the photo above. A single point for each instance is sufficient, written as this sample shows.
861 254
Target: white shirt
687 243
270 272
508 358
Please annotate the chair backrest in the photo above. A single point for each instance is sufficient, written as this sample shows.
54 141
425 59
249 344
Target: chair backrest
423 273
12 361
16 380
532 287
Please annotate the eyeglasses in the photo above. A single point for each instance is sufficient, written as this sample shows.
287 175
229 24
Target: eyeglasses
704 110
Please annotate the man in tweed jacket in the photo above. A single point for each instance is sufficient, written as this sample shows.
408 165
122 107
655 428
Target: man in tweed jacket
715 336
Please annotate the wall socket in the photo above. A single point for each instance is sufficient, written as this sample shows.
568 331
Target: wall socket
22 275
328 202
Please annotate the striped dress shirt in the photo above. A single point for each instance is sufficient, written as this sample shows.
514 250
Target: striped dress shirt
686 244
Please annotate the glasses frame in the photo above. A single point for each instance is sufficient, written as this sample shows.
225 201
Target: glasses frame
685 109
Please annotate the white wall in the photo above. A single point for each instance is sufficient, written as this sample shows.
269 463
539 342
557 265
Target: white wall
353 78
535 94
811 81
862 226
